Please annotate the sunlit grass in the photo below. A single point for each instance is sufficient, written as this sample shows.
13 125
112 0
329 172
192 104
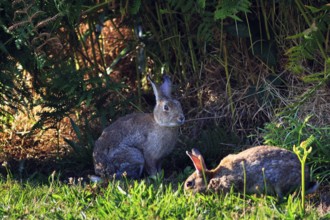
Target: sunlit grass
144 199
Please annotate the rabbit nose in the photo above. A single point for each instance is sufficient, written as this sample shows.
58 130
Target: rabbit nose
181 119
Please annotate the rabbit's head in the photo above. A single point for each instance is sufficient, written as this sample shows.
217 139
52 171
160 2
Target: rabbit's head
198 181
168 111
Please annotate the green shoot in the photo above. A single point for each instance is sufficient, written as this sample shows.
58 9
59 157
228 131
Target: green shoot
302 152
264 178
204 177
244 189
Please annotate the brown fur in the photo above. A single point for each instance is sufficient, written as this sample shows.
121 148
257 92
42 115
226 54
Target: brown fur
140 140
268 169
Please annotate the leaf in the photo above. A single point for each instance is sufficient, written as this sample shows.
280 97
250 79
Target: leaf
201 3
134 7
89 99
310 44
56 196
307 142
316 10
182 5
188 6
295 36
315 77
3 48
122 54
230 8
76 129
205 29
72 144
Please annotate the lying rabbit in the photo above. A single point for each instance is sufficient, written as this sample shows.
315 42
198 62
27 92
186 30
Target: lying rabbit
268 170
139 141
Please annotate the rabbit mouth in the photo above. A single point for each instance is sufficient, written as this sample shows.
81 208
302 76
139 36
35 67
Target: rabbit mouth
170 124
173 124
180 120
178 123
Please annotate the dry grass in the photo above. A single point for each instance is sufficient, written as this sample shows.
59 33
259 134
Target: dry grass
317 105
21 141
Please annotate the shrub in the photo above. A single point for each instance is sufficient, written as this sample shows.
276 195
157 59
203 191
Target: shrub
290 131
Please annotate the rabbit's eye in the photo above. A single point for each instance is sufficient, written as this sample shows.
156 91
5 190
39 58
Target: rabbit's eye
190 184
166 108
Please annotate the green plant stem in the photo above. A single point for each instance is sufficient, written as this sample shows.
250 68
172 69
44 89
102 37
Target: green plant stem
191 49
302 153
303 187
122 96
228 86
95 8
302 11
204 177
264 178
250 34
92 41
300 133
244 187
263 9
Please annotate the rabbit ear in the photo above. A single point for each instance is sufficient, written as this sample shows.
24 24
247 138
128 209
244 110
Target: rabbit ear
162 91
197 159
166 87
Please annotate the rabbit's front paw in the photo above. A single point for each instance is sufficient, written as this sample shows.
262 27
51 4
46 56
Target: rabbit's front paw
221 184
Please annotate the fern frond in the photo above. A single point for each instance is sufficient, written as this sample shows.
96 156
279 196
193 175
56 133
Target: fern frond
134 6
45 22
201 3
312 42
307 142
205 29
182 5
230 8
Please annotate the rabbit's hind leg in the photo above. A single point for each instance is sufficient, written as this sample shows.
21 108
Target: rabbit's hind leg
130 163
124 161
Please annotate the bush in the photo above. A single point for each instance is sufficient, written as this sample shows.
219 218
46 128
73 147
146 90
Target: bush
290 131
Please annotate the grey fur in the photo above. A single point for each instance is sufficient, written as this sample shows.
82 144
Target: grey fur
279 168
140 141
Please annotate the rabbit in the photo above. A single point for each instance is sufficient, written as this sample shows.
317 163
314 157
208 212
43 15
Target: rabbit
137 142
268 170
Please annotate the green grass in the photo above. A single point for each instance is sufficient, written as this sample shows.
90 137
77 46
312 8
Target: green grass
146 199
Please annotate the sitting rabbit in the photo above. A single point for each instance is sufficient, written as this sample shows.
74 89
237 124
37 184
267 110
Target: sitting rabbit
139 141
268 170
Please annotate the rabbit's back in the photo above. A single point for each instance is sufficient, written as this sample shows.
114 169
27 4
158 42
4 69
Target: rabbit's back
124 130
272 169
